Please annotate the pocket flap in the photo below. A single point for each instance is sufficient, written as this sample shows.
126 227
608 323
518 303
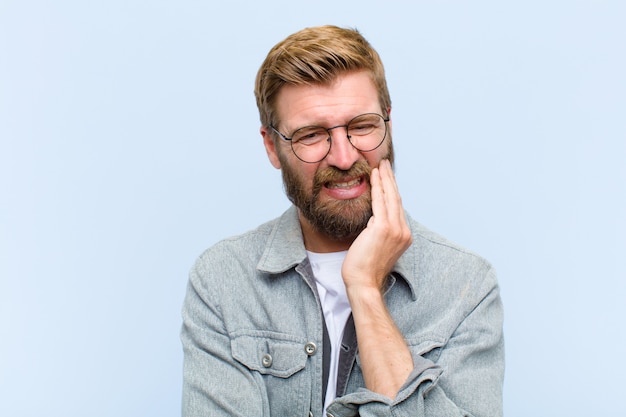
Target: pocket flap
269 353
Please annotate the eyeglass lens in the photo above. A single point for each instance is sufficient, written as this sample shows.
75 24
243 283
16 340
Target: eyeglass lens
365 132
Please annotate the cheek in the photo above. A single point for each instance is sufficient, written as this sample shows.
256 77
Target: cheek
301 172
307 175
374 158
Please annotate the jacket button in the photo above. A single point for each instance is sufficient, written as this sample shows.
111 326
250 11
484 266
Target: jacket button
310 348
266 360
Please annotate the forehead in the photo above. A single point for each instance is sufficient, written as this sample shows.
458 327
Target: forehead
347 96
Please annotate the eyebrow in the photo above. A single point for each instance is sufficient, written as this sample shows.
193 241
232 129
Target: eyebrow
330 125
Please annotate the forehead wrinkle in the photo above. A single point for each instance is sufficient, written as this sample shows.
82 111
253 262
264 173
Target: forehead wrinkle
325 116
327 105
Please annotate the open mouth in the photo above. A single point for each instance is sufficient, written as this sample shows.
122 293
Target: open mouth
344 184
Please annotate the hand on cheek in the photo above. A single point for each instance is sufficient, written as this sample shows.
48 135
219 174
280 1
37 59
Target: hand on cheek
375 251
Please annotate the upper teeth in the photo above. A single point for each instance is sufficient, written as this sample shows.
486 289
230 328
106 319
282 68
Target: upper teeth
344 184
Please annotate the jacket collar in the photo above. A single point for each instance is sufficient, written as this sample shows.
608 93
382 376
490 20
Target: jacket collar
285 250
285 246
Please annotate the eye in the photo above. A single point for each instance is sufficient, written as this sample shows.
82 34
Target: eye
309 135
361 128
364 125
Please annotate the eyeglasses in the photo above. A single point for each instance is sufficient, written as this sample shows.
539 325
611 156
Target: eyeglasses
311 144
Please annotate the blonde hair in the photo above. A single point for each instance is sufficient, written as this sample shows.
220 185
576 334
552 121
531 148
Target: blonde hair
316 55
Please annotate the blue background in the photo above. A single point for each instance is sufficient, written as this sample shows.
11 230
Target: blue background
129 143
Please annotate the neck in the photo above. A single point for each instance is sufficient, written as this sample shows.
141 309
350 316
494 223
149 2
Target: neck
316 241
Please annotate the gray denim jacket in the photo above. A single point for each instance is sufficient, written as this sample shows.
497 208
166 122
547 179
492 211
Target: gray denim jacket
253 331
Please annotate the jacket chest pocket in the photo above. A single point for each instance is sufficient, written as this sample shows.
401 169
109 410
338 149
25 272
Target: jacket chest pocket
279 361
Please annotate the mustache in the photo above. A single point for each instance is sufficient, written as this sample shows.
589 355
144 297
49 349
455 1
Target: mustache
331 174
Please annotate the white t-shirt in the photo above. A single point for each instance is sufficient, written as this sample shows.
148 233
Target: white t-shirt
332 291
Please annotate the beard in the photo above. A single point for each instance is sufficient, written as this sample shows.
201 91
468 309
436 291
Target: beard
337 219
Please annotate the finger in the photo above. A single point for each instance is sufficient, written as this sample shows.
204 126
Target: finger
391 177
378 198
393 199
389 185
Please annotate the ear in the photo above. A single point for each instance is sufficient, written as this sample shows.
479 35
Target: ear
270 146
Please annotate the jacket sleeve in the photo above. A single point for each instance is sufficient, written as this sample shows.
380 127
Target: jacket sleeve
465 380
214 384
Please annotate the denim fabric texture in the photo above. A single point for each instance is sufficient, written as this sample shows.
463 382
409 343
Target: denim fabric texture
252 331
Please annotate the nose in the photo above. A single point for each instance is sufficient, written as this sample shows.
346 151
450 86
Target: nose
342 154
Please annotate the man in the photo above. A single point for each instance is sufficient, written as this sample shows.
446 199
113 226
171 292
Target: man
344 304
